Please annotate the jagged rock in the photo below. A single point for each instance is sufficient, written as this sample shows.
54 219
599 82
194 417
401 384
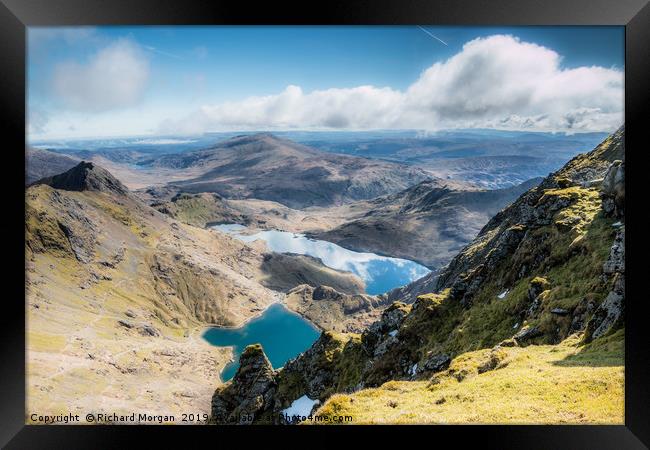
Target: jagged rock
613 189
609 314
85 176
326 292
616 261
125 324
527 333
391 319
385 345
249 394
316 366
436 363
148 330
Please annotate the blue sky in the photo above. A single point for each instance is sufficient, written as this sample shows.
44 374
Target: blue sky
121 81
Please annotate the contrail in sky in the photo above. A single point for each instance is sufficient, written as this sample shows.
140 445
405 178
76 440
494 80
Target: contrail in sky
433 36
160 52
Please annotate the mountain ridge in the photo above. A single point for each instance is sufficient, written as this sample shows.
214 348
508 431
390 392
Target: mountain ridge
265 167
544 277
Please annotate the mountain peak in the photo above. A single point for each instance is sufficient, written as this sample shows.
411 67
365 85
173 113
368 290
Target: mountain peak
244 139
85 176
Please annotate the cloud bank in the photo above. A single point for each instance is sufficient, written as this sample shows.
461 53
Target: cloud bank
113 78
493 82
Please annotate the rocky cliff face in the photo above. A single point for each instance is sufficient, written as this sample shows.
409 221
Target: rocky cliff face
548 266
251 392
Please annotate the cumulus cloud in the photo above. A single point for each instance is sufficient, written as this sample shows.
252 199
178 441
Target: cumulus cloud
113 78
496 82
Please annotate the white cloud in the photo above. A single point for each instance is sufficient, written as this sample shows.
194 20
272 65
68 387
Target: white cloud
113 78
495 82
37 121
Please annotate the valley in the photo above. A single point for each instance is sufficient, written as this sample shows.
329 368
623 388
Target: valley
136 263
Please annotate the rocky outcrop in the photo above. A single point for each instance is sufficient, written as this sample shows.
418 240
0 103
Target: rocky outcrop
613 189
250 394
258 394
333 310
610 313
85 176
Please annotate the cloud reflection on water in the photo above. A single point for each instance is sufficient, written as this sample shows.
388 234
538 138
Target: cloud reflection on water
380 273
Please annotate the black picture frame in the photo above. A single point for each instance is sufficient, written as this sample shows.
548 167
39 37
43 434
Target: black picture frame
16 15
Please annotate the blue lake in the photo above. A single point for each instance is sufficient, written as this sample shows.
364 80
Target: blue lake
380 273
282 333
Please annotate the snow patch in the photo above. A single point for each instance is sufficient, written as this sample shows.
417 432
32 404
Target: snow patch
503 294
393 333
300 407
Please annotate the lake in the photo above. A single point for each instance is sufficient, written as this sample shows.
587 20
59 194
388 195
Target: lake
380 273
282 333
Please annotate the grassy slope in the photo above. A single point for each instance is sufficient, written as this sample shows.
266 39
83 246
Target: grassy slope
540 384
559 380
79 356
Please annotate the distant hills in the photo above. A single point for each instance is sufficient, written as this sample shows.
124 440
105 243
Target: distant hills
266 167
43 163
427 223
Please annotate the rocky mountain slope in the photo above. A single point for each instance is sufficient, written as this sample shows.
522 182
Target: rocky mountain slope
42 163
118 294
428 223
523 326
265 167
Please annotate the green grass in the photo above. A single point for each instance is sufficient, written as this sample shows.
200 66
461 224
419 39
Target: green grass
529 385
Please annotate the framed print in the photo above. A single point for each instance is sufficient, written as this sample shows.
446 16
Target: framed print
366 215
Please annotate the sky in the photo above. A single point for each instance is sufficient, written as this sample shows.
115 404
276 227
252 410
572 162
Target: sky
186 80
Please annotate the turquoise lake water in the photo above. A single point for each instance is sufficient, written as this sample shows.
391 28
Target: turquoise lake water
282 333
380 273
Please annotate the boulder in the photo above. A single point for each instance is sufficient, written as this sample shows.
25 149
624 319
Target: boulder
526 334
436 363
613 189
